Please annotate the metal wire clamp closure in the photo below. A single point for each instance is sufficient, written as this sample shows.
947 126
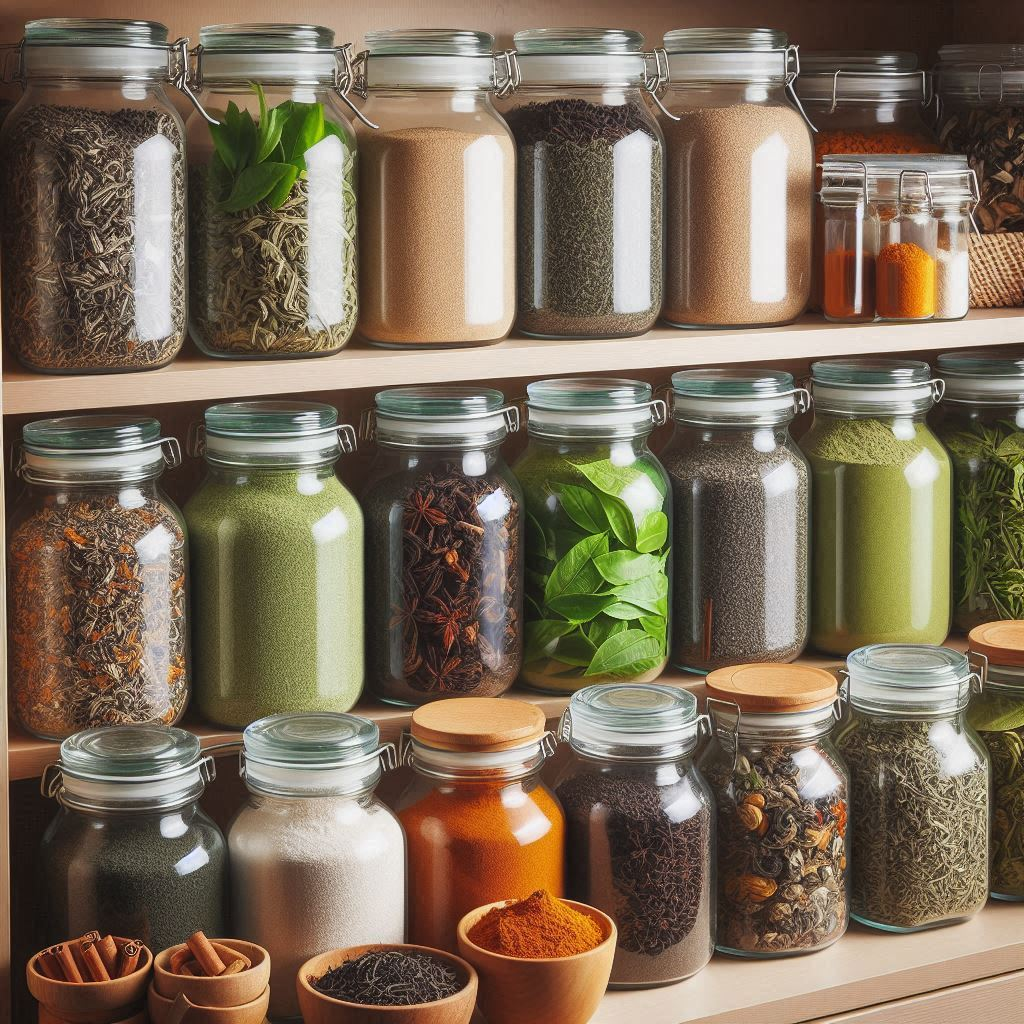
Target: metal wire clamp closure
196 446
923 75
368 419
656 80
179 69
506 75
792 55
345 77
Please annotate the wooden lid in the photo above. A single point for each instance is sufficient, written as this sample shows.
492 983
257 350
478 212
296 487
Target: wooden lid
1001 642
477 724
766 687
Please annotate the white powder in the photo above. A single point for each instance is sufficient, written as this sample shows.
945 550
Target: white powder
952 284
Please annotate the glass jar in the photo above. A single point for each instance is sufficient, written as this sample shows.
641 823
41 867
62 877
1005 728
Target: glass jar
444 546
981 422
640 830
590 169
921 782
317 861
130 852
740 181
437 191
599 535
97 578
480 824
93 162
739 485
272 200
783 796
881 506
277 545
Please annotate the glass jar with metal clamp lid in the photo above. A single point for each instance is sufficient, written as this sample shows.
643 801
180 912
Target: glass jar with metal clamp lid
783 797
444 545
921 788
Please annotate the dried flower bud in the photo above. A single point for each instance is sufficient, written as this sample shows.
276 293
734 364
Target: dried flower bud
755 800
754 888
750 817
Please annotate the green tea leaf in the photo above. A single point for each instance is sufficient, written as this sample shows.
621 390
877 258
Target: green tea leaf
566 540
653 532
537 540
620 519
280 192
648 592
541 635
620 653
619 567
580 607
621 610
639 489
583 508
270 134
999 716
305 128
576 572
223 145
603 627
575 650
655 625
254 184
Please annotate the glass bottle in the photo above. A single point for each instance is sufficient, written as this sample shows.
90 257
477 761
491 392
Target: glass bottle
277 545
599 535
921 788
98 578
739 485
444 546
640 829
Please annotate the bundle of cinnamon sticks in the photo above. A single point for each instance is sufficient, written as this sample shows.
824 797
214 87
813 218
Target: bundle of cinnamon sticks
90 958
201 958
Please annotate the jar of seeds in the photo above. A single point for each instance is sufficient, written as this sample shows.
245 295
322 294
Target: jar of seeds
921 780
783 798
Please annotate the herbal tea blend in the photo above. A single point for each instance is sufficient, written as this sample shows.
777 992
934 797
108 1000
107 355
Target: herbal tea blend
389 978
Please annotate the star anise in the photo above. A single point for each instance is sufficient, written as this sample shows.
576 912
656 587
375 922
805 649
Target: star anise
422 511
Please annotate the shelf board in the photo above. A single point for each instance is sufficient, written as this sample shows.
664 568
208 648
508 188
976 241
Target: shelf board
194 377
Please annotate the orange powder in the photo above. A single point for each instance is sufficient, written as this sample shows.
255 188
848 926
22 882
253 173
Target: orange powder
538 927
905 282
872 142
849 285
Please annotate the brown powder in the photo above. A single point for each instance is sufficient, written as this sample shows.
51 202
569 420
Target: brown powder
538 927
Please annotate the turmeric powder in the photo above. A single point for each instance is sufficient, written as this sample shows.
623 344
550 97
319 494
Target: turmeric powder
904 282
536 928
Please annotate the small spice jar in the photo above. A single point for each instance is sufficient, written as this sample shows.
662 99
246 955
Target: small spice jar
317 861
640 827
437 190
444 546
277 562
480 824
739 484
921 780
130 852
881 506
599 535
783 797
98 578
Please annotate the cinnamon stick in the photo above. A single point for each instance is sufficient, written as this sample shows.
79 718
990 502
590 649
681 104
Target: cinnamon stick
107 949
227 954
48 966
129 959
235 967
179 958
210 962
95 969
67 963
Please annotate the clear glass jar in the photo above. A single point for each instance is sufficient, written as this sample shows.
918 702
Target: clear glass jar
640 827
444 546
590 169
98 578
921 788
317 861
783 796
93 161
881 506
739 484
599 535
740 181
436 191
277 545
130 852
272 194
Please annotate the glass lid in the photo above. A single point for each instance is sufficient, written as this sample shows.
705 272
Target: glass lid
89 434
266 36
127 753
320 740
987 376
909 678
874 386
724 40
837 75
440 416
729 55
270 418
711 394
422 42
541 41
870 372
95 32
828 62
598 407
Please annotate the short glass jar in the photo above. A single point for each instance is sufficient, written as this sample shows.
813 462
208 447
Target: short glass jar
739 485
98 578
783 796
921 788
437 188
599 535
277 546
317 861
640 827
881 506
590 170
444 531
130 852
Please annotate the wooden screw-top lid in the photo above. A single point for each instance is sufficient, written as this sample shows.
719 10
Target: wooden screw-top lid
477 724
767 688
1001 642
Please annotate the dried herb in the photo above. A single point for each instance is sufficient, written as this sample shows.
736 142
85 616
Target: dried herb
389 978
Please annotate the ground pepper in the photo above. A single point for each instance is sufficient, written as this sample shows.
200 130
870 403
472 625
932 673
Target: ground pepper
535 928
905 282
849 285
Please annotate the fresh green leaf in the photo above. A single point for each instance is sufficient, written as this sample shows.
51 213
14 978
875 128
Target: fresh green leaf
647 592
576 572
621 653
655 625
223 145
541 635
220 178
280 192
531 610
580 607
620 519
622 610
254 184
603 627
270 135
537 540
583 508
566 540
619 567
997 716
574 649
653 532
634 487
305 128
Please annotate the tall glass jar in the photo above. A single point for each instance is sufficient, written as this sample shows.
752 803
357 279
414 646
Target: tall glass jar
920 788
590 169
272 200
97 578
739 180
739 485
444 546
640 827
599 535
277 563
437 191
783 797
130 852
93 163
480 823
882 506
317 861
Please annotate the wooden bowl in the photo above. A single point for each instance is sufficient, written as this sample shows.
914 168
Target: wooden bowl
164 1011
45 1017
234 990
563 990
320 1009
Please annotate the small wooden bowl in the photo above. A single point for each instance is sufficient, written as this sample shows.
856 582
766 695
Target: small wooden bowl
563 990
234 990
253 1012
320 1009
